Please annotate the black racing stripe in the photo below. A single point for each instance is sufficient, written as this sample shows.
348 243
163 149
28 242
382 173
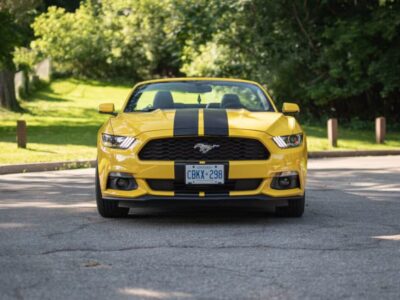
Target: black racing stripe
179 169
186 122
216 122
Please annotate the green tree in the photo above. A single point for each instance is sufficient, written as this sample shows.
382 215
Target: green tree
130 38
335 57
110 39
8 41
14 16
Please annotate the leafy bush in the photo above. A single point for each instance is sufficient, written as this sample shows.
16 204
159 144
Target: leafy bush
111 38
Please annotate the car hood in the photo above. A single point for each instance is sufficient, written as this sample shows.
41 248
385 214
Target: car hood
272 123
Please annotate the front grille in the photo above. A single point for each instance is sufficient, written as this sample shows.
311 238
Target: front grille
185 149
229 185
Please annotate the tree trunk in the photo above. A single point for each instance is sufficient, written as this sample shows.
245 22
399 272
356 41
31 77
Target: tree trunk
8 99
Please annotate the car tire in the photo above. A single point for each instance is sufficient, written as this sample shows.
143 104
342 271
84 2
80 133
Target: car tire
108 208
294 209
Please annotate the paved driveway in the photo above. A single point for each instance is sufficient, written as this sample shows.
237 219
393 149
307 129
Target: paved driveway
53 245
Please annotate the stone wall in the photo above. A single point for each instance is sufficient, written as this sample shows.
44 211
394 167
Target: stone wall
42 71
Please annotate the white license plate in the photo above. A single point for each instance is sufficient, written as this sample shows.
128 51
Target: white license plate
204 174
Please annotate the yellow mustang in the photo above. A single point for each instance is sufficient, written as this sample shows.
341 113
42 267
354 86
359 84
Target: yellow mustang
197 140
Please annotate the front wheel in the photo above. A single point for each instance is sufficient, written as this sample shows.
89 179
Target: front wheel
295 208
108 208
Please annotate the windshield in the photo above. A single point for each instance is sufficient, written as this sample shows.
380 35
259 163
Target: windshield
198 94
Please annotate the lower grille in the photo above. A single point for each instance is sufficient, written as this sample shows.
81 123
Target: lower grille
204 148
230 185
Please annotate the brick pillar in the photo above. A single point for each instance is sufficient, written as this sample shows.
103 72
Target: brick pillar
21 134
332 132
380 130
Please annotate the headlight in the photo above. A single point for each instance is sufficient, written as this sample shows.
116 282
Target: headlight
115 141
288 141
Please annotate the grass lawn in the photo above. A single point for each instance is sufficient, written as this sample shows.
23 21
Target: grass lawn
62 122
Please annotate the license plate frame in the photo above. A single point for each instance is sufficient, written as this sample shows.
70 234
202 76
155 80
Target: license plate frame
198 174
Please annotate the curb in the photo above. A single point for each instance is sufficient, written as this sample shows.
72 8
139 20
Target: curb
47 166
66 165
351 153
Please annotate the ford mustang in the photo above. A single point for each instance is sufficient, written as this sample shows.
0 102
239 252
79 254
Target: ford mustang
200 141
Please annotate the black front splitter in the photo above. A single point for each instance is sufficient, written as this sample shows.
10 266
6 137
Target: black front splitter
183 199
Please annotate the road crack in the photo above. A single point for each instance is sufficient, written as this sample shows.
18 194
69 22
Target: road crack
360 247
76 229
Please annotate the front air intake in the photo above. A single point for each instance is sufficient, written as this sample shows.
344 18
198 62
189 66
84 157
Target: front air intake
204 148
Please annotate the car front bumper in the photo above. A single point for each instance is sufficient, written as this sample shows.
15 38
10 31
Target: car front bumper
127 161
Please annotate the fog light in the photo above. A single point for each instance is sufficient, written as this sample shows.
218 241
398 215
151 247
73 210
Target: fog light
285 181
121 181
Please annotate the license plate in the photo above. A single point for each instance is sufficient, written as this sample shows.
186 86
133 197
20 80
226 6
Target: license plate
204 174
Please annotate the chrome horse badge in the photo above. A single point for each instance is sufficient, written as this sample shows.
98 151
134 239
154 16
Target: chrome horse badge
205 148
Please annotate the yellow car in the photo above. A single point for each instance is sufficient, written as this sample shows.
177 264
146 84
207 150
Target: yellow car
200 141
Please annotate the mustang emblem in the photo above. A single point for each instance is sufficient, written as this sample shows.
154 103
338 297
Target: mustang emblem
204 148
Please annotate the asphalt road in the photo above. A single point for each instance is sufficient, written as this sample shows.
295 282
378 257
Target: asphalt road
53 245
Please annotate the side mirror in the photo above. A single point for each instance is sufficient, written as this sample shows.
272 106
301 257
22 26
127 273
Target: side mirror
107 108
290 108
